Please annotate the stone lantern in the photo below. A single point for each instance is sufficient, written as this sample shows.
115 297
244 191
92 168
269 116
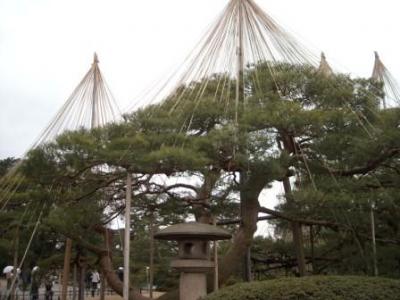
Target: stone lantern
193 258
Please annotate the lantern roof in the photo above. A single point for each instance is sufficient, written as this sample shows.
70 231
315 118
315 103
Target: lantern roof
192 230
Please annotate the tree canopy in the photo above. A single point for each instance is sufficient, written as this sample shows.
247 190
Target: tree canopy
199 154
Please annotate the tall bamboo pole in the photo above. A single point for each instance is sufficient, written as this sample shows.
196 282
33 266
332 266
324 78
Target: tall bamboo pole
127 235
95 114
94 123
239 98
240 60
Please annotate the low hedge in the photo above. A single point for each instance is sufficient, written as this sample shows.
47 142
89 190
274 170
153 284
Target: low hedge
313 288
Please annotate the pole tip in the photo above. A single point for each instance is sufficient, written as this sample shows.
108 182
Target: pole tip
376 54
95 58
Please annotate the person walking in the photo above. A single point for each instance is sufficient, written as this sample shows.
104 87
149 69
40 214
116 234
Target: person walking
35 283
95 282
9 276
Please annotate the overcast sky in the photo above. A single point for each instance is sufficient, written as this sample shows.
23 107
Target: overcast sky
46 46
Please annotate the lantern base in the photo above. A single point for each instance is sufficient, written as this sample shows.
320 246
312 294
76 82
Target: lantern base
192 286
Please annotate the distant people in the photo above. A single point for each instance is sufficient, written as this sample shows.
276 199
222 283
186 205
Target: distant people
10 272
35 283
95 282
49 288
88 281
120 273
9 277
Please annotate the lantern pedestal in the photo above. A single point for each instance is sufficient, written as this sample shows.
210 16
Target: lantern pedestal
193 279
194 249
192 286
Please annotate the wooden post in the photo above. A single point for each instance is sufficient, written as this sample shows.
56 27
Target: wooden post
151 270
15 263
127 235
67 262
81 284
74 279
298 245
312 247
375 262
103 286
216 271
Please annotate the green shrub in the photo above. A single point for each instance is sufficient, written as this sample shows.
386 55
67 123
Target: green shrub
313 288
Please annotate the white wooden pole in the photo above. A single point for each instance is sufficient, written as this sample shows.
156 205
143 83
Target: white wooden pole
95 114
127 235
240 59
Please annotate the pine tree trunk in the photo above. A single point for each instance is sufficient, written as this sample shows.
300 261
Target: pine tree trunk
298 245
246 273
242 240
296 231
244 235
113 281
247 266
107 269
